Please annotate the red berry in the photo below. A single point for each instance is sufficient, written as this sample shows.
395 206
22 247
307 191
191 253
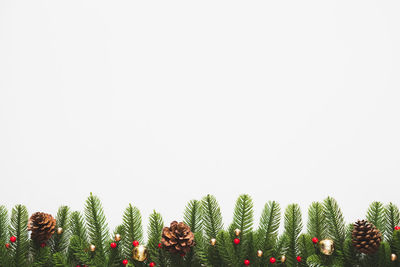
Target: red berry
397 228
246 262
113 245
152 264
159 245
298 258
272 260
135 243
42 245
125 262
78 265
315 240
7 245
236 241
13 239
182 254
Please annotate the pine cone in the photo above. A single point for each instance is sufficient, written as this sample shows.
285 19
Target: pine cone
178 238
366 237
42 226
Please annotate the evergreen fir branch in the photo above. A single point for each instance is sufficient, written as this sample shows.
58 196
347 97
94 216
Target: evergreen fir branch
115 256
350 255
77 226
133 230
383 255
78 252
59 242
242 220
59 260
227 250
316 225
268 228
40 256
212 218
200 251
293 226
335 222
18 228
306 247
3 224
376 215
392 219
193 216
97 228
280 246
396 242
154 231
212 225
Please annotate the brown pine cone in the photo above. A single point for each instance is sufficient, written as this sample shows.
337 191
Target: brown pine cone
178 238
42 226
366 237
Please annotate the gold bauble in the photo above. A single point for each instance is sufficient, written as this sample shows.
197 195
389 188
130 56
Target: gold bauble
140 253
237 232
60 230
92 248
259 253
283 258
117 237
213 241
393 257
326 247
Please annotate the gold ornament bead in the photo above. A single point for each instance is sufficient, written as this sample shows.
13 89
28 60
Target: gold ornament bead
140 253
117 237
259 253
283 258
237 232
393 257
326 247
92 248
60 230
213 241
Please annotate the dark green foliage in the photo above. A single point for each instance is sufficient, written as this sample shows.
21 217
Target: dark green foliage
59 242
316 225
335 222
192 217
325 220
293 227
212 225
267 232
392 219
154 231
376 215
97 228
19 249
132 229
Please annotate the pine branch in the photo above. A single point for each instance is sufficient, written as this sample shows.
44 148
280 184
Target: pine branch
4 225
192 217
97 228
59 242
115 256
267 232
212 224
306 248
77 226
18 228
154 231
392 219
78 239
335 222
293 227
133 230
376 215
316 225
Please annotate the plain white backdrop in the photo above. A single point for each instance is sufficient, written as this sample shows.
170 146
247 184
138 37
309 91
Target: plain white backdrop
158 102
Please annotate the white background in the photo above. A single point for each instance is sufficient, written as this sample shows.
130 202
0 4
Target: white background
159 102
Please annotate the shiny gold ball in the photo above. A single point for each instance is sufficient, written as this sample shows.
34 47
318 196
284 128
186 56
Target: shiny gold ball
283 258
60 230
326 247
92 248
213 241
140 253
259 253
117 237
393 257
237 232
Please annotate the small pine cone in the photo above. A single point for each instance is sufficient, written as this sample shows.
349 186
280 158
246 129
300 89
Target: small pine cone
366 237
178 238
42 226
